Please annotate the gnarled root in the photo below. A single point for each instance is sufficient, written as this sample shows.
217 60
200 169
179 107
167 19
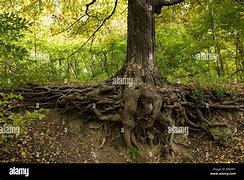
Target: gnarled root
146 110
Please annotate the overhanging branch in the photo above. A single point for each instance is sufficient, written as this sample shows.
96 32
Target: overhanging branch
76 21
158 4
98 28
88 5
169 3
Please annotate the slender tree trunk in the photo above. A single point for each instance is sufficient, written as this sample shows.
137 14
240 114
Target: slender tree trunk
237 59
239 54
220 62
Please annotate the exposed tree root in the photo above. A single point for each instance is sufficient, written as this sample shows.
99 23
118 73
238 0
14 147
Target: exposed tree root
145 110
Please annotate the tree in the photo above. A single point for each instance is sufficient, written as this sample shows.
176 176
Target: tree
149 105
12 28
140 64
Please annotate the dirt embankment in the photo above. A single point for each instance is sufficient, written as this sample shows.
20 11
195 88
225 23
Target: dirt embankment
65 139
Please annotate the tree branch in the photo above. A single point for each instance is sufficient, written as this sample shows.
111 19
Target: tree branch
98 28
237 71
76 21
87 9
66 29
158 4
169 3
88 5
240 1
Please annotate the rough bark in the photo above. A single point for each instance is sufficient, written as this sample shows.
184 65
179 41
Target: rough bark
140 66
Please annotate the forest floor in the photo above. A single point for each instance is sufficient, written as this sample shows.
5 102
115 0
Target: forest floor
60 138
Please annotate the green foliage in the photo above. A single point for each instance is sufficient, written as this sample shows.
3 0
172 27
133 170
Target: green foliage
133 154
189 158
12 27
187 38
221 138
202 82
229 140
16 118
198 96
187 46
27 117
8 101
221 93
35 115
226 137
12 53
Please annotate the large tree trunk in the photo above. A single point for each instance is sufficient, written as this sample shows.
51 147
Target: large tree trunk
143 96
141 41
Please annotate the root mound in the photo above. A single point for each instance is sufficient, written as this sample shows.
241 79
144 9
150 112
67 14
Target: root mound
147 112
